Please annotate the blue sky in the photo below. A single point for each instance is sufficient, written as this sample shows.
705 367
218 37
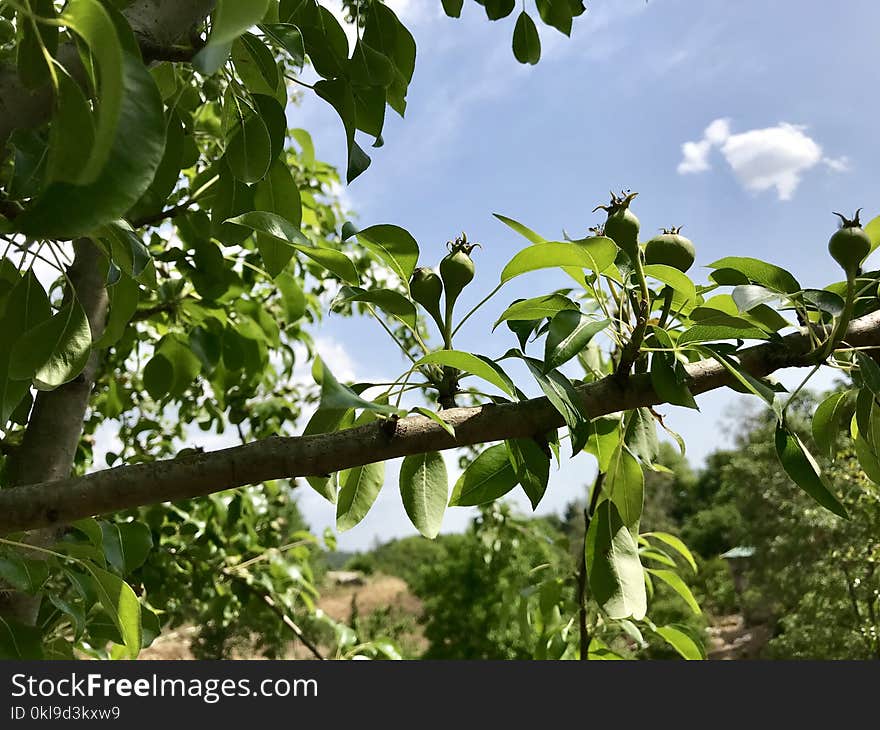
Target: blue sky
776 100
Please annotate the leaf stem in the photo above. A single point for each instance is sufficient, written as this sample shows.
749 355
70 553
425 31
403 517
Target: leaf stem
472 311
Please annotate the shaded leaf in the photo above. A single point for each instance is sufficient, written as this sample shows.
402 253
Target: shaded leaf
424 488
487 478
616 577
804 471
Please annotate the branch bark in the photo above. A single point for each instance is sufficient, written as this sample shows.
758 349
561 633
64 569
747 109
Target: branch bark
199 474
157 26
56 420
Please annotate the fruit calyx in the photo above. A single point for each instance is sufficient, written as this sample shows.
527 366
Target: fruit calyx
847 223
618 202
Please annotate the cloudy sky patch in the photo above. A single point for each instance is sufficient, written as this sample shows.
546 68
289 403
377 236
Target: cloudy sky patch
761 159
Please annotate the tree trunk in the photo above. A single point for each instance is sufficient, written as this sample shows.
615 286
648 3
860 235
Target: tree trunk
56 420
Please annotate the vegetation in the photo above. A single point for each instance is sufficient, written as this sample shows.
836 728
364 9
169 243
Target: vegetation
175 284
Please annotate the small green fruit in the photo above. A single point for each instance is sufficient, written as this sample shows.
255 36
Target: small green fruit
426 288
457 268
622 225
850 245
672 249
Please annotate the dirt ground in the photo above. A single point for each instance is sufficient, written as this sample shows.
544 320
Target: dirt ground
729 637
336 601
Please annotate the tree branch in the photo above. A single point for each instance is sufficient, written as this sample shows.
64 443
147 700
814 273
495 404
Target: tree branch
56 422
204 473
157 26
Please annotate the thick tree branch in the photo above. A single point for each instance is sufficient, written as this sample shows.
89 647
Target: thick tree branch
200 474
157 24
55 424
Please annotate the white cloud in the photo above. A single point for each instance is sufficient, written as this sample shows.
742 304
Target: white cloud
837 164
336 357
695 157
761 159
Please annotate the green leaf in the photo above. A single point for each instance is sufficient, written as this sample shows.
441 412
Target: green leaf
603 439
424 488
497 9
570 332
596 254
804 471
625 486
125 248
31 63
158 377
255 65
526 42
283 238
338 397
873 230
760 272
233 17
680 639
473 364
123 295
292 297
679 586
437 418
359 488
26 306
713 333
487 478
19 641
453 7
673 278
56 350
126 545
339 95
669 379
91 528
384 32
537 308
389 301
747 380
676 544
564 398
828 419
749 296
393 245
641 435
867 458
524 231
112 182
287 36
870 373
559 13
249 150
656 555
600 651
325 41
72 134
277 193
531 464
91 22
615 573
23 574
825 301
120 602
